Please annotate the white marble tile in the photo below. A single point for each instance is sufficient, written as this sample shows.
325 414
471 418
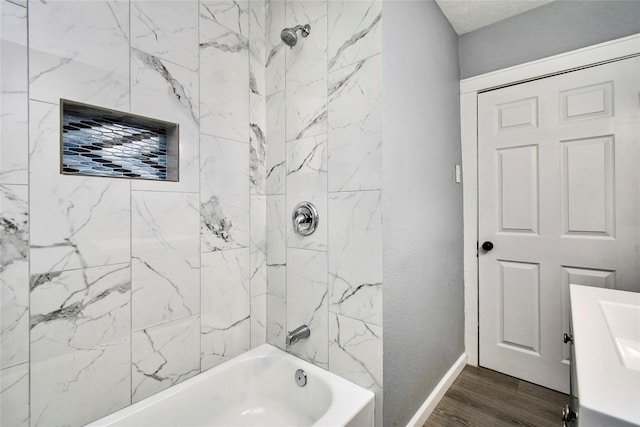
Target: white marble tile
258 147
277 280
79 50
14 396
232 14
307 181
257 98
355 126
257 41
354 31
167 30
22 3
80 344
276 321
276 218
307 303
14 150
276 250
165 252
258 320
75 221
355 353
258 245
275 141
14 275
226 324
306 71
355 255
257 139
164 355
274 47
224 70
224 194
14 102
165 91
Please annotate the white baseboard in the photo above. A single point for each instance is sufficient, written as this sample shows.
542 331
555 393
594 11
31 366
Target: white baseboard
438 393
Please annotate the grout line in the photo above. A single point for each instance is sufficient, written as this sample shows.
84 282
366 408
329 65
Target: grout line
43 102
130 291
199 154
28 284
84 268
166 322
225 138
321 251
286 193
354 62
355 319
326 106
371 190
249 8
130 240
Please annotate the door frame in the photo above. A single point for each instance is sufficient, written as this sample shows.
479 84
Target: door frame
469 90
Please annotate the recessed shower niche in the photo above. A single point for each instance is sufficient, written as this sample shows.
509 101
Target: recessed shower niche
95 141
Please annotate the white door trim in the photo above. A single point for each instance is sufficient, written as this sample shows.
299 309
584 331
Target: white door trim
469 89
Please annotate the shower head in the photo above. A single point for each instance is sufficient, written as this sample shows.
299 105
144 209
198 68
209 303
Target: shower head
290 35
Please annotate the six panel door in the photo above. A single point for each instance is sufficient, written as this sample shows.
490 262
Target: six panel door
559 196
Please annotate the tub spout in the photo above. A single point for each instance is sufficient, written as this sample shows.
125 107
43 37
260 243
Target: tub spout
297 334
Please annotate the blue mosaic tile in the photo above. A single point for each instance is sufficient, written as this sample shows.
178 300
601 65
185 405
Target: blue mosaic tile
104 145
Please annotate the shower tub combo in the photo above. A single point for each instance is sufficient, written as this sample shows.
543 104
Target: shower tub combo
262 387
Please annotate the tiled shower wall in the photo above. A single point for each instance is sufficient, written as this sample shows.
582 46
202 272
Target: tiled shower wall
114 289
324 138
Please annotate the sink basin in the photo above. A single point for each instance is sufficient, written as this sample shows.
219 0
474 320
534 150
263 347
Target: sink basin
623 321
606 344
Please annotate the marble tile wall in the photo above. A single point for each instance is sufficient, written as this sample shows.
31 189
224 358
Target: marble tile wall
14 210
115 289
324 137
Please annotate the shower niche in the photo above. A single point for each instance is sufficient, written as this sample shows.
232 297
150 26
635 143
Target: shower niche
95 141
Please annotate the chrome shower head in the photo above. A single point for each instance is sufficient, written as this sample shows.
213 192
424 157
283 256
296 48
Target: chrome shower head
290 35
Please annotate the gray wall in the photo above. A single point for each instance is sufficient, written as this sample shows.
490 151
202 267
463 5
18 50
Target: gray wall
558 27
422 205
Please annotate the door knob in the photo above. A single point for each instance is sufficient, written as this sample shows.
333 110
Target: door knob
487 246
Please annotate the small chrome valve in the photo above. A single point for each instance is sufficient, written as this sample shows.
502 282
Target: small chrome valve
305 218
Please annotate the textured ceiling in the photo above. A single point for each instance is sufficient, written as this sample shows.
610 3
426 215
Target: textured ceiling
469 15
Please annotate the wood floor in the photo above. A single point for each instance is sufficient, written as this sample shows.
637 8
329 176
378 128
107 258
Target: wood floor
481 397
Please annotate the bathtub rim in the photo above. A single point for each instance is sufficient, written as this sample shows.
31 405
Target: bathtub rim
353 406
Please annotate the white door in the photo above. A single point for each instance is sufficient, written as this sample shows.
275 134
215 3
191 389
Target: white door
559 192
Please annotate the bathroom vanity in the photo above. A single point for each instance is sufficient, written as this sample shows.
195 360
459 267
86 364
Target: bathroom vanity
605 371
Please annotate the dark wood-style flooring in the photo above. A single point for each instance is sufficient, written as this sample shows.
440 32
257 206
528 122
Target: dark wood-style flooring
481 397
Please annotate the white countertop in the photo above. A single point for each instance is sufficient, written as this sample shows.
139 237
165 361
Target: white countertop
608 391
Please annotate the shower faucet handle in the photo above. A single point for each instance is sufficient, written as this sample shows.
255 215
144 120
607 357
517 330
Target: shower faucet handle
305 218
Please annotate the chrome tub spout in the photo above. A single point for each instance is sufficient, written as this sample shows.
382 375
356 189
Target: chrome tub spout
297 334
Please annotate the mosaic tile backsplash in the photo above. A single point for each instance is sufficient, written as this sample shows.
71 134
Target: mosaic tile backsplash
103 144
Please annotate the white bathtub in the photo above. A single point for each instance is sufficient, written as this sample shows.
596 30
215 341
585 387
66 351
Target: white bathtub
257 388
